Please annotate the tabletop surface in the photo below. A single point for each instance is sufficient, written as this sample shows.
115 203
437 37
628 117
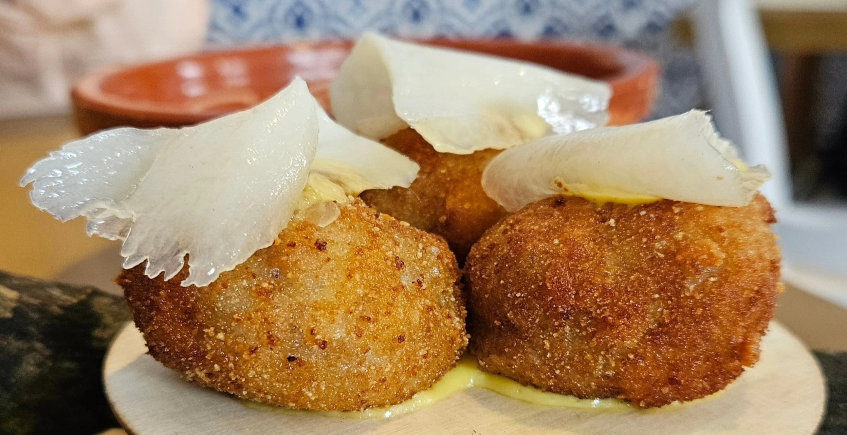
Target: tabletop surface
33 243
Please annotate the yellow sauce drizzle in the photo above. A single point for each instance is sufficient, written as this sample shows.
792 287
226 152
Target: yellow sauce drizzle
320 189
603 194
466 374
319 200
602 198
330 181
738 163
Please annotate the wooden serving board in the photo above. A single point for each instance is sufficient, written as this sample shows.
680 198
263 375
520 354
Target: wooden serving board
784 393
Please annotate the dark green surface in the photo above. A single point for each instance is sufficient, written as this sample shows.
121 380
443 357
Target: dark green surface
52 341
834 366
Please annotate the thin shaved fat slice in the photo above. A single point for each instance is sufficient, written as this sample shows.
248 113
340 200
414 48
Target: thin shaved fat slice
217 192
680 158
460 102
357 163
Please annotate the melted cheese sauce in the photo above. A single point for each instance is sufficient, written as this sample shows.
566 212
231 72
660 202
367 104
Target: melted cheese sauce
320 189
466 374
604 197
603 194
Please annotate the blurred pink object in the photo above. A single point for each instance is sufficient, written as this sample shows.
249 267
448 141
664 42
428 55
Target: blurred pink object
46 45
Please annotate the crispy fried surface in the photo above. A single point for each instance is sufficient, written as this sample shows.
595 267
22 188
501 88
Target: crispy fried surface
652 303
364 312
447 197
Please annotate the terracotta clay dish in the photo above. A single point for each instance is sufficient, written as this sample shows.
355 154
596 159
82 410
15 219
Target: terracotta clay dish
191 89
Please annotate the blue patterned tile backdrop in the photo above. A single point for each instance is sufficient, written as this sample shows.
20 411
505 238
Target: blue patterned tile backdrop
640 24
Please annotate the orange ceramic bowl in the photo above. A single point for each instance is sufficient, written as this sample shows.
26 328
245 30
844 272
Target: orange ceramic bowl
191 89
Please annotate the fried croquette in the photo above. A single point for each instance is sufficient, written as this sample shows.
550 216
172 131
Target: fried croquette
364 312
652 304
447 197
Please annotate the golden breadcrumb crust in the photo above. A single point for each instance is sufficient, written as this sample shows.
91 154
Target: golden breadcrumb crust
447 197
364 312
653 303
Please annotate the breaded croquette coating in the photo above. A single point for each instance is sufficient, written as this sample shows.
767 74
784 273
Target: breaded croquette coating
653 303
447 197
363 312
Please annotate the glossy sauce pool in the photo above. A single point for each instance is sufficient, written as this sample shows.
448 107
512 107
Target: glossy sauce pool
466 374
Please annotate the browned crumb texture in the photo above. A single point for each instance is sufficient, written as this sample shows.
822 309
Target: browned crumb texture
364 312
447 197
653 304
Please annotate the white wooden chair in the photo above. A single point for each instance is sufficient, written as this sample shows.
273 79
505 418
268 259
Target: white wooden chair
741 87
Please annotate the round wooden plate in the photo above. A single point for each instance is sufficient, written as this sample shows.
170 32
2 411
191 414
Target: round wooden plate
784 393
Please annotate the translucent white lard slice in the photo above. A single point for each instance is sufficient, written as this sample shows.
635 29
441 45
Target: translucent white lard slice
680 158
217 191
346 164
459 102
357 163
